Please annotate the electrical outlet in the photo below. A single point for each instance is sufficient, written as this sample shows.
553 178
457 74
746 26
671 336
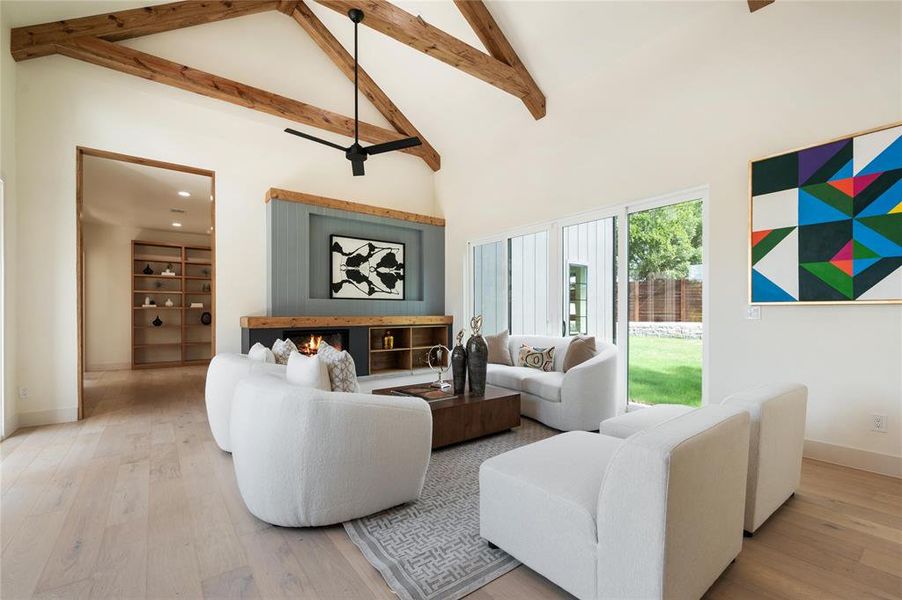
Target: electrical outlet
23 392
878 423
753 313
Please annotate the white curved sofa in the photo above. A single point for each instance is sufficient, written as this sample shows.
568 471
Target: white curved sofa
305 457
223 375
576 400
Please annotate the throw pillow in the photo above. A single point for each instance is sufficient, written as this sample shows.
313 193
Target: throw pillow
308 371
261 353
282 350
581 349
536 358
342 373
499 352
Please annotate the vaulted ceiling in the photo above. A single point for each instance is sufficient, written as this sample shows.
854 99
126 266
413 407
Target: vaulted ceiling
93 39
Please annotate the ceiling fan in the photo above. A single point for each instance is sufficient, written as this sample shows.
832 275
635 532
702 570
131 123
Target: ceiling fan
355 152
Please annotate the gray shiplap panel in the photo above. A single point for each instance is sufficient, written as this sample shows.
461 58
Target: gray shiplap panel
298 237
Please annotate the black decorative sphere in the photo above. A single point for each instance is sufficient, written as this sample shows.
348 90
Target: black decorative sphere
157 322
206 318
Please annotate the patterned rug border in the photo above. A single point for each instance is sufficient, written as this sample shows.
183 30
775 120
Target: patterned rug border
392 562
390 575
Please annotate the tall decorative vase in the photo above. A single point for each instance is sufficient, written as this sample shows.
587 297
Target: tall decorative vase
477 357
459 364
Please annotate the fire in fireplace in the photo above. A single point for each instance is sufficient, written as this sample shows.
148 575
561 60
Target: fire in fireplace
308 341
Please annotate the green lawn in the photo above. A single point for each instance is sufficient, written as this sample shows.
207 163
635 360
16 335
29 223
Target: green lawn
665 370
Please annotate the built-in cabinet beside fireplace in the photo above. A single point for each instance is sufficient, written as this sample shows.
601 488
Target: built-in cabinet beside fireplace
363 337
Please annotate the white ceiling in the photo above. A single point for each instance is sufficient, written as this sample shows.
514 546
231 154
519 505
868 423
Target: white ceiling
132 195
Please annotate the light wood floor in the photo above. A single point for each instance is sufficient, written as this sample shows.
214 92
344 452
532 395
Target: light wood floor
137 501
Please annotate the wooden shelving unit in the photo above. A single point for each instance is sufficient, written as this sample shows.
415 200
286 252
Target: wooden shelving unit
182 339
411 347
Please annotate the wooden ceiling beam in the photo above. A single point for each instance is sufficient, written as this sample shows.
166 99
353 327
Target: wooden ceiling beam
345 63
127 60
413 31
480 19
40 40
758 4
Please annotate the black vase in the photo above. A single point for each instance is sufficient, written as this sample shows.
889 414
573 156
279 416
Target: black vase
157 322
148 270
206 318
477 363
459 368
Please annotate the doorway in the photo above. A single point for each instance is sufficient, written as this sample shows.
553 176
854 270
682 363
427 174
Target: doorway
145 266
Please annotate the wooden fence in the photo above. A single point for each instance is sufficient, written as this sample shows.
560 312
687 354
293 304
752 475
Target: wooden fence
666 300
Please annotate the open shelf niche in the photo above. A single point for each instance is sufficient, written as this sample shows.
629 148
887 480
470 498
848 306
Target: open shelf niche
410 350
182 339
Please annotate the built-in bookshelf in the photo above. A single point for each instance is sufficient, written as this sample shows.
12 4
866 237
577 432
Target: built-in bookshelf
409 348
172 291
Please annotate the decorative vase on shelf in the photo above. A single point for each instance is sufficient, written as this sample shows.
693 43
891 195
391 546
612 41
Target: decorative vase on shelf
477 357
157 322
148 270
147 301
169 303
459 364
206 318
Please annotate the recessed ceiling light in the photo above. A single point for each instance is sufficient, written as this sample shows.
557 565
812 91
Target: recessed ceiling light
176 224
185 194
211 196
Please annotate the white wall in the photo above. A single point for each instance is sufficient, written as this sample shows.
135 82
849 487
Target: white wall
63 103
108 289
8 174
650 98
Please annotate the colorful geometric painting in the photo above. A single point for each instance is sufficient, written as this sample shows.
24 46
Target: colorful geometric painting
827 222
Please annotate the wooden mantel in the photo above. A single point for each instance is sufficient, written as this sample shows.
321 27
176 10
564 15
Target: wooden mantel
310 321
365 209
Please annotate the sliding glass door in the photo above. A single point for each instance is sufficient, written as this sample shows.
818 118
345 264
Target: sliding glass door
588 252
630 275
665 304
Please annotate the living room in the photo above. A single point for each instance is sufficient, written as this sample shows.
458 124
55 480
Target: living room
544 129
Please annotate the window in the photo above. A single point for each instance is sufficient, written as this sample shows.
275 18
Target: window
529 283
489 297
578 299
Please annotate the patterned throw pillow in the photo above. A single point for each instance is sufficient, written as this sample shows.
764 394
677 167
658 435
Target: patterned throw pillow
342 372
536 358
283 350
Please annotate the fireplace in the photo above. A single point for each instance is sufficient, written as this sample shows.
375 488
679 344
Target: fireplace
308 340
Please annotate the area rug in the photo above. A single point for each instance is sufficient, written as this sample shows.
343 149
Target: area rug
431 549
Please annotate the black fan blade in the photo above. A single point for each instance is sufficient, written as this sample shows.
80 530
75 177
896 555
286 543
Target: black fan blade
396 145
357 167
315 139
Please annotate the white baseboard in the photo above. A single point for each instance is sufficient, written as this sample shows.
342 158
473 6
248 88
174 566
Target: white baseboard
108 367
10 425
47 417
884 464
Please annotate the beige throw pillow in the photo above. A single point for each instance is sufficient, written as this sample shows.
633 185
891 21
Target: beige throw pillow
499 350
536 358
581 349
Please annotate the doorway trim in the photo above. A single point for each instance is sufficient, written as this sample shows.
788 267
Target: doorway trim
80 153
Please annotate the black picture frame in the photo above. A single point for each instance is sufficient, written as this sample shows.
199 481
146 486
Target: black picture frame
393 298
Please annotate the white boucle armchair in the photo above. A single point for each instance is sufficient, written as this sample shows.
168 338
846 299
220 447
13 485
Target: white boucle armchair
223 375
305 457
656 516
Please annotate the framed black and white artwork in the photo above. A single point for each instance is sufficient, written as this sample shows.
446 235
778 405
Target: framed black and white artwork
366 269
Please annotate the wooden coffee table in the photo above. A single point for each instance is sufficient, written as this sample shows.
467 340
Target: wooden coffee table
458 418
